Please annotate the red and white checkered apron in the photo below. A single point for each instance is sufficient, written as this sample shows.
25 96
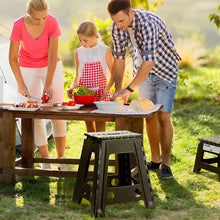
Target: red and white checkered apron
93 76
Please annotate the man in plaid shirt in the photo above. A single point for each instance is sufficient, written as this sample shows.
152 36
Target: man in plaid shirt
155 72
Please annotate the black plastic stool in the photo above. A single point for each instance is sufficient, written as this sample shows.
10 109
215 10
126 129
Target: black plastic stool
103 189
209 145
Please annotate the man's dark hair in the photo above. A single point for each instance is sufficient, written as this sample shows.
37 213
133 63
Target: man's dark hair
114 6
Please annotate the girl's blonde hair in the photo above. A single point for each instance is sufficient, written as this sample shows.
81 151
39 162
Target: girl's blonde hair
87 28
37 5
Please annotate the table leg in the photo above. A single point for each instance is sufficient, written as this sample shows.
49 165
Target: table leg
130 124
27 142
7 146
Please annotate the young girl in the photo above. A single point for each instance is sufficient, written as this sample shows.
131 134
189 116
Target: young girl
93 63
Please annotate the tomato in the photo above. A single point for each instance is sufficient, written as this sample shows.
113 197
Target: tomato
65 103
45 99
31 101
71 103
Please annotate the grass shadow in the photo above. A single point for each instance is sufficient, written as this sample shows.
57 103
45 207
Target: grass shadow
172 197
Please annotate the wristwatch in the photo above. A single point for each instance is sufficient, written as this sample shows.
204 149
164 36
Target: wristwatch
129 88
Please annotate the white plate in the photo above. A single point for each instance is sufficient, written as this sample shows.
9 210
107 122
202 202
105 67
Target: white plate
108 106
22 109
75 107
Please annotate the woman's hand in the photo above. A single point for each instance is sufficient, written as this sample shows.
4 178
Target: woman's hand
48 91
23 90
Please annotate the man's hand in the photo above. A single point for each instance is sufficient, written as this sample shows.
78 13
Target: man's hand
122 93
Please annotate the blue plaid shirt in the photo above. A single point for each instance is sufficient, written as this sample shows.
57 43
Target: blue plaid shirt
154 43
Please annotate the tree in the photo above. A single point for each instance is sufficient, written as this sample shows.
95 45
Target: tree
146 4
215 18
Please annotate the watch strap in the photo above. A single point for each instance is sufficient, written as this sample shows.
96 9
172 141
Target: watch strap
129 88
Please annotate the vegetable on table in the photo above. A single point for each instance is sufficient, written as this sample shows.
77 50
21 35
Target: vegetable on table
83 91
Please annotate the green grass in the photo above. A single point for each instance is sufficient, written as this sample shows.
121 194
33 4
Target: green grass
187 196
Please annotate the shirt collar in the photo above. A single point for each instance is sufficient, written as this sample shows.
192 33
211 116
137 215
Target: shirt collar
134 23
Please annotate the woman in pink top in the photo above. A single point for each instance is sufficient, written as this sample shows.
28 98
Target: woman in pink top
34 60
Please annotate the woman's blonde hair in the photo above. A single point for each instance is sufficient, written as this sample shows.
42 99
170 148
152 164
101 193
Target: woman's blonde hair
87 28
37 5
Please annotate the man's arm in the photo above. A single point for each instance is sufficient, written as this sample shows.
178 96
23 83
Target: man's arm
119 68
142 73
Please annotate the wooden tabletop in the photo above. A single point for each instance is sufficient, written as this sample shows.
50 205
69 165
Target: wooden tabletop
84 113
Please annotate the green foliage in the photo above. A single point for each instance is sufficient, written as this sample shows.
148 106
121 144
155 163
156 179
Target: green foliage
214 57
198 83
183 76
215 18
74 42
104 28
83 91
68 74
147 4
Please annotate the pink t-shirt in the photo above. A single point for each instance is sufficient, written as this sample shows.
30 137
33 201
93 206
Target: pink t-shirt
34 53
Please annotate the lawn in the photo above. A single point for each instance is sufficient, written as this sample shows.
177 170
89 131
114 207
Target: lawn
187 196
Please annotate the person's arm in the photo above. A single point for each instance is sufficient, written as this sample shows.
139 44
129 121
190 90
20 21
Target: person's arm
110 63
118 73
52 63
142 73
75 83
13 60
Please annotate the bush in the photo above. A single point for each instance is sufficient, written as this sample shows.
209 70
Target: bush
192 52
214 57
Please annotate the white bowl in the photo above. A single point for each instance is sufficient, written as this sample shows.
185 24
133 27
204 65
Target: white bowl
108 106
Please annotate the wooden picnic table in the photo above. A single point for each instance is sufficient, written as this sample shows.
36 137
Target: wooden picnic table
9 167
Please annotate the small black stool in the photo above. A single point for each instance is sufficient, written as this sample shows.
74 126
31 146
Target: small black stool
209 145
103 188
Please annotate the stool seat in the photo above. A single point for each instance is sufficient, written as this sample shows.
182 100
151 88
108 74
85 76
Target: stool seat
113 135
209 145
104 188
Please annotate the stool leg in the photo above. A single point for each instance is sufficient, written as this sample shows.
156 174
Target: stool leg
144 175
101 170
82 171
199 157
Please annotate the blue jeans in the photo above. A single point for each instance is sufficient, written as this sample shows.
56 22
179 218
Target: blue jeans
158 91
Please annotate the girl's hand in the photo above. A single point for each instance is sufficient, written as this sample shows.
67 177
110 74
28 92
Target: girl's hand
70 93
48 91
105 93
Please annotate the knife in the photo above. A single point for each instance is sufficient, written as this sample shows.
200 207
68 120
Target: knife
35 98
